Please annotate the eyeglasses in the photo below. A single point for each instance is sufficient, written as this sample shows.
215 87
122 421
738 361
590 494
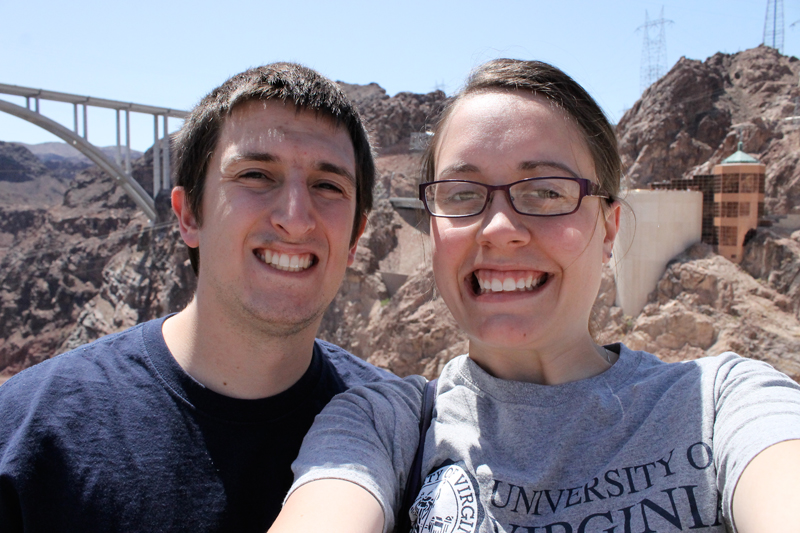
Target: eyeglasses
538 197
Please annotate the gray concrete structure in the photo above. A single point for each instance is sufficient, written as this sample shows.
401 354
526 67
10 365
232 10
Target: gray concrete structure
412 211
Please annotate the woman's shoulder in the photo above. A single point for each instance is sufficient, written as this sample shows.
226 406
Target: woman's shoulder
721 371
384 398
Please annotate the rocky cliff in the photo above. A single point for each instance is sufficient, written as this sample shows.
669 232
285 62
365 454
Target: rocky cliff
26 180
693 117
392 120
82 269
81 262
91 265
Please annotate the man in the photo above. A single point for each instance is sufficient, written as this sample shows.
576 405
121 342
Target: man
190 423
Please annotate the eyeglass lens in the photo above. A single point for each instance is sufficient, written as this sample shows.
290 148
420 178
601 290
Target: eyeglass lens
550 196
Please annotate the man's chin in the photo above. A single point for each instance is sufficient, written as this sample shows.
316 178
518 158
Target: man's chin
288 324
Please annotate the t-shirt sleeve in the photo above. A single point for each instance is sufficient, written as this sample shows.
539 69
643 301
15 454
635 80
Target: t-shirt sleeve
368 436
756 407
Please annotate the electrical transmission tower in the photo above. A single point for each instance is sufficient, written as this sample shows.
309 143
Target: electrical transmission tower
773 25
654 50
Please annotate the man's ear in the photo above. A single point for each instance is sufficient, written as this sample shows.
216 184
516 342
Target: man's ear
186 218
612 216
361 227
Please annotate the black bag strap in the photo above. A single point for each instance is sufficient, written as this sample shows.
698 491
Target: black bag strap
414 482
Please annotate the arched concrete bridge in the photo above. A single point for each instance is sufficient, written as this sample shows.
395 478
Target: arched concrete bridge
161 163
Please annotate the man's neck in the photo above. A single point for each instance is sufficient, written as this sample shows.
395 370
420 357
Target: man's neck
234 360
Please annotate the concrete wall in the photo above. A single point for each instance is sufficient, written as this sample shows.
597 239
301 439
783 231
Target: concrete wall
666 223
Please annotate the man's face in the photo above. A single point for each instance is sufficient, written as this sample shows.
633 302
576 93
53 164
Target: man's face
277 218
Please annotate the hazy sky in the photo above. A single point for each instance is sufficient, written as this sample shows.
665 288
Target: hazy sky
171 53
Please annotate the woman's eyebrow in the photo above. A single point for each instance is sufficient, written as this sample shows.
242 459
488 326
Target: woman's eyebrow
533 165
457 168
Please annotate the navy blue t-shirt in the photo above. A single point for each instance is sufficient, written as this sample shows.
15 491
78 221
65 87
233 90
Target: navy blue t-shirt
115 436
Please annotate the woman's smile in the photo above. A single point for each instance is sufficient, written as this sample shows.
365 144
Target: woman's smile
485 281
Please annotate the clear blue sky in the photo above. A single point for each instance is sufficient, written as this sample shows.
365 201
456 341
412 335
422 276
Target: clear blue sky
170 53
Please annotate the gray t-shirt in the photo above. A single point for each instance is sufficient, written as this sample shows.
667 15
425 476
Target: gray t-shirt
645 446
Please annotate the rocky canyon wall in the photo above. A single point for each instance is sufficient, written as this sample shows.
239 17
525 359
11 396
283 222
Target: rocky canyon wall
87 263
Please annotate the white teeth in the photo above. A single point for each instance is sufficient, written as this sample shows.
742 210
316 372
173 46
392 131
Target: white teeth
510 284
286 262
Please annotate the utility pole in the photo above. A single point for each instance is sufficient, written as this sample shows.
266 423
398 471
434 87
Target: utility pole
654 50
773 25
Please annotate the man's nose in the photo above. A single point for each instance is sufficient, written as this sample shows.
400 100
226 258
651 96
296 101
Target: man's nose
293 214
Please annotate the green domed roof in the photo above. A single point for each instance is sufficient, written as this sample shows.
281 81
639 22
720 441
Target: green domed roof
739 157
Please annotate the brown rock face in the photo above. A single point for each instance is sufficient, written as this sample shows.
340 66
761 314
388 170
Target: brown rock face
775 261
81 270
706 305
25 180
392 120
92 265
410 332
694 116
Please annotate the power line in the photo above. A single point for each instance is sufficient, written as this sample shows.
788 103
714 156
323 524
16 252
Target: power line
654 50
773 25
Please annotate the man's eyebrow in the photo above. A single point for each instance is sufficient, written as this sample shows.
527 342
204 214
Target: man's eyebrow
457 168
264 157
324 166
533 165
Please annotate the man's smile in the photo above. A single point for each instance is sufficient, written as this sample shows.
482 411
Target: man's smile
284 261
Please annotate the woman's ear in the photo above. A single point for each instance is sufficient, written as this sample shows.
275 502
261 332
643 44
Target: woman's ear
612 217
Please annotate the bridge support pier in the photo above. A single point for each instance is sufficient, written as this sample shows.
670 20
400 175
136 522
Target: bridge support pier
156 158
166 184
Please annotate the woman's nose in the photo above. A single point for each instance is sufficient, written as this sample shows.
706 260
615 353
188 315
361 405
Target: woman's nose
501 225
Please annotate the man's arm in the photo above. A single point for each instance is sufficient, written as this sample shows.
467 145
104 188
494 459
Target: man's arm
330 505
767 497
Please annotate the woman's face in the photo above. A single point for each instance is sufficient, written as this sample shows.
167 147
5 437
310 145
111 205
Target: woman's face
498 138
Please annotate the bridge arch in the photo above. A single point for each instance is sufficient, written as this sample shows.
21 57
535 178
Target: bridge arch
129 185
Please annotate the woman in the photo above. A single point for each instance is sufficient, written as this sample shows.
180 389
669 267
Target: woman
539 429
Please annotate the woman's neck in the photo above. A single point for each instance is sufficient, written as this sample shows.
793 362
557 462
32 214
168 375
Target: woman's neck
546 365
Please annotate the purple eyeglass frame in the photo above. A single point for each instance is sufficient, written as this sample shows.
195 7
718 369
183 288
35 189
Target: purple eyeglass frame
587 188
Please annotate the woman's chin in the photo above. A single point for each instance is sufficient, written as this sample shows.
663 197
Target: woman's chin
507 333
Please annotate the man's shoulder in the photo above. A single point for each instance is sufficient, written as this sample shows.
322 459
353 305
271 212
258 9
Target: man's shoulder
353 370
95 362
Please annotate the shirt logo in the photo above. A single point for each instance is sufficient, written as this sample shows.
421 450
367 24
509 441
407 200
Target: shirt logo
447 503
